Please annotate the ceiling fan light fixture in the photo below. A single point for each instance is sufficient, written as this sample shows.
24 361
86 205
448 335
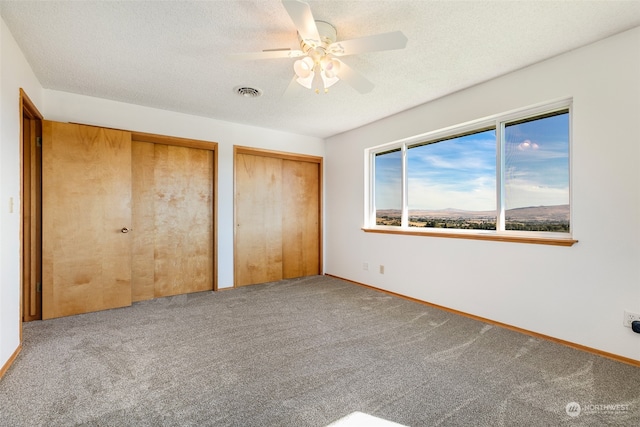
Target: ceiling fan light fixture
317 67
304 67
307 81
328 81
330 67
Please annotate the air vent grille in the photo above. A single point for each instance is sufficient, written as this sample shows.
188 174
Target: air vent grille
248 92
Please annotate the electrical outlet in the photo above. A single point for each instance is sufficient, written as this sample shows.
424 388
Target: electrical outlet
382 269
629 317
365 266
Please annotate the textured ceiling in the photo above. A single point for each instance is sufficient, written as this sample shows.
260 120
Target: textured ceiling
173 55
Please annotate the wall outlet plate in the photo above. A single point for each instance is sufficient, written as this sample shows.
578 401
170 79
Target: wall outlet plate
630 316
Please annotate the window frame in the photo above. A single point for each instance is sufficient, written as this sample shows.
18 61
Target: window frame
497 122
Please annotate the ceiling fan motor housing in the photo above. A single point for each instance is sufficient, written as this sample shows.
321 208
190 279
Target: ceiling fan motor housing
328 35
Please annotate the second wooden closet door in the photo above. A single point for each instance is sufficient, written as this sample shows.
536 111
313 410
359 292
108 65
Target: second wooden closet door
172 213
277 204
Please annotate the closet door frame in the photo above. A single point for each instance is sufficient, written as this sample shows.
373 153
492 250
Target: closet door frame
283 156
30 211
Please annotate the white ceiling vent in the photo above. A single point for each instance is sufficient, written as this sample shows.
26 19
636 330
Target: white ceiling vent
248 92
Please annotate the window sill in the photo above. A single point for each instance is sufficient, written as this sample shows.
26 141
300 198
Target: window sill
492 236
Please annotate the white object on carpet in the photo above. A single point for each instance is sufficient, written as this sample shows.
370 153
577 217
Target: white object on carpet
360 419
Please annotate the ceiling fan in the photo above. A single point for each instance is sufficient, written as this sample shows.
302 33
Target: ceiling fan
319 66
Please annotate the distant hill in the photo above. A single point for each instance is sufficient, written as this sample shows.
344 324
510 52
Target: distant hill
539 213
528 214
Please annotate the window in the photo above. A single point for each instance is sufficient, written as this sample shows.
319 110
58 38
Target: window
451 182
506 175
388 185
536 173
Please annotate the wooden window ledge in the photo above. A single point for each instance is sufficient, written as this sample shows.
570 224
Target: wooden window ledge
492 236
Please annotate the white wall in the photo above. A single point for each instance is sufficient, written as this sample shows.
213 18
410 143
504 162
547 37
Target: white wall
67 107
15 73
577 293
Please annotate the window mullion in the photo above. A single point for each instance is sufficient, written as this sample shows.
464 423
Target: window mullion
370 202
405 199
500 164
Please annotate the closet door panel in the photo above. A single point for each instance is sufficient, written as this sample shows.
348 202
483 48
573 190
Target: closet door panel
301 219
259 234
173 211
86 206
183 204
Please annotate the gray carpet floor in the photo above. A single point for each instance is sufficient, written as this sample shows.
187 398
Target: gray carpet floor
304 352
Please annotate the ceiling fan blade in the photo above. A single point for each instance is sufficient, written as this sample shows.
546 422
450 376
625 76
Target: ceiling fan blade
385 41
267 54
354 79
302 18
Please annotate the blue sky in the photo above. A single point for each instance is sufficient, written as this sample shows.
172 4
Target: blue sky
537 162
460 173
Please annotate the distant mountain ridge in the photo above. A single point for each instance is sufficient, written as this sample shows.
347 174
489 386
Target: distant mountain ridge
555 213
532 213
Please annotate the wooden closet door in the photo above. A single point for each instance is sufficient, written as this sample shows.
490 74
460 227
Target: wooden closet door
173 219
277 211
258 203
86 212
300 219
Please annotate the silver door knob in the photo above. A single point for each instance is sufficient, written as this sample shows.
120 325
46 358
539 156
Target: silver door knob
125 230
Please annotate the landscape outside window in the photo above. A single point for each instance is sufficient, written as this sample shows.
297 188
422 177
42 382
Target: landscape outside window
536 173
452 182
388 187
